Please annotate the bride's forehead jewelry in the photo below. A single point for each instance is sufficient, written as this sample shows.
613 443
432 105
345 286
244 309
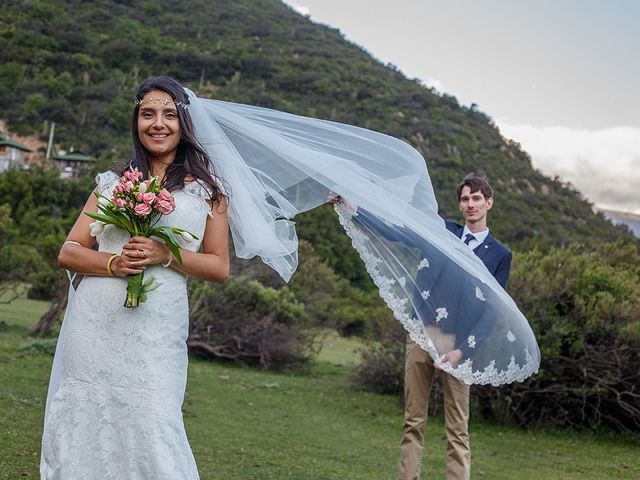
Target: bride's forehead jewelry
163 101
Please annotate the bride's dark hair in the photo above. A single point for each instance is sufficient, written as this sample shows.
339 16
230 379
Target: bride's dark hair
191 159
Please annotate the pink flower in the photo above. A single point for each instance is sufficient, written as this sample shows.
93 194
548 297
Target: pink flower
165 195
165 207
149 198
142 209
120 203
139 197
133 175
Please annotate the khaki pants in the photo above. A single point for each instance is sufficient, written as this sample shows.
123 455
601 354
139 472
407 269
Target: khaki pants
418 378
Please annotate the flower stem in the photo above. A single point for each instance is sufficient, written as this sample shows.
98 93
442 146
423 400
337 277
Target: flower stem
134 290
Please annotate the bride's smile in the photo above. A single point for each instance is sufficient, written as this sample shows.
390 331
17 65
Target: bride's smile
158 125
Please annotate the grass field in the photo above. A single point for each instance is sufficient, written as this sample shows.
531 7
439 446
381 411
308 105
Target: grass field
247 424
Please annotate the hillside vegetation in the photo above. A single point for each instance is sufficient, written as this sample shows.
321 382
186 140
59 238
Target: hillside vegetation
79 63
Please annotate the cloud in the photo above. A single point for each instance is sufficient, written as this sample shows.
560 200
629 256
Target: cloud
301 9
603 164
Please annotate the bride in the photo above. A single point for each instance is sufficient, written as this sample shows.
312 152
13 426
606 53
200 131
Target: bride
114 403
118 378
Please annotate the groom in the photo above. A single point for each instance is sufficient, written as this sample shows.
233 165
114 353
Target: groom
475 199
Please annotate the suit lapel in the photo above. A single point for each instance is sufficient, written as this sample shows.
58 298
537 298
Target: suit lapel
482 249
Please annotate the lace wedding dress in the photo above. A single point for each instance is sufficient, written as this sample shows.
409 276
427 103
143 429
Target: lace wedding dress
118 382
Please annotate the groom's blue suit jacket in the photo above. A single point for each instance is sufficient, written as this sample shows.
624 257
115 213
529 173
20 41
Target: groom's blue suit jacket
464 320
495 256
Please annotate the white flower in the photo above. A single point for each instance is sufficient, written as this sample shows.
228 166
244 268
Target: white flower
425 294
97 228
424 263
442 313
402 281
510 336
471 341
150 284
480 295
187 237
105 202
142 188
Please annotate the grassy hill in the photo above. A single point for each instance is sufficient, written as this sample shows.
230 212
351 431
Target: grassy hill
78 64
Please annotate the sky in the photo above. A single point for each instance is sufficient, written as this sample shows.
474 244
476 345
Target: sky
561 77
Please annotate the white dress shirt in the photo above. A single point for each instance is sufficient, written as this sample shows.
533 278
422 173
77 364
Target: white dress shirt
479 237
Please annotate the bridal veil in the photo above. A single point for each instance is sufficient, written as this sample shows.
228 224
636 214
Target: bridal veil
276 165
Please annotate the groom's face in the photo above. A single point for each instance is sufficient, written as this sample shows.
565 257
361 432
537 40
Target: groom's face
474 205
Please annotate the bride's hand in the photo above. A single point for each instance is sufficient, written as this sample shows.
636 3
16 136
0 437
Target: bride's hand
142 251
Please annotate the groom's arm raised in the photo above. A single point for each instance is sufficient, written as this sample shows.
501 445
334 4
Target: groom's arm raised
393 232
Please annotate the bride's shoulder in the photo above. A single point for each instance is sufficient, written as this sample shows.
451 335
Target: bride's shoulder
197 186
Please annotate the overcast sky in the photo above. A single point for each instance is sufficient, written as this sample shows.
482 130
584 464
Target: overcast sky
562 77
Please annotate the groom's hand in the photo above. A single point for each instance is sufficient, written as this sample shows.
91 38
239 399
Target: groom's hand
452 358
334 199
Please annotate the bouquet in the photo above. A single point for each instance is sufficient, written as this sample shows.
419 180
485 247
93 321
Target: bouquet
136 206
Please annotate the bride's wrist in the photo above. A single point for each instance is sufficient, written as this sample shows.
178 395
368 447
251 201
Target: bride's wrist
167 263
111 265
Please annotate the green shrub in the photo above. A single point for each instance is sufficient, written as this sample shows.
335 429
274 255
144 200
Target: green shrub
584 308
248 323
381 368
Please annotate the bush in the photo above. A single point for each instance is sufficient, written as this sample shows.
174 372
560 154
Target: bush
38 210
329 300
250 324
381 369
585 311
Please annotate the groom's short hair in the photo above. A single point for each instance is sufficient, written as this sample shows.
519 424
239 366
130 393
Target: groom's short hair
475 184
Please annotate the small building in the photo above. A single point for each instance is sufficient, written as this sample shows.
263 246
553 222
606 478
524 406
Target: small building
71 164
12 154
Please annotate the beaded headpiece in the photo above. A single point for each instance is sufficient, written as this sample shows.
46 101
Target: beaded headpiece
164 101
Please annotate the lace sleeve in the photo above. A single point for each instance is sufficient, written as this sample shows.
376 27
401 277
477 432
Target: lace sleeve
203 191
106 181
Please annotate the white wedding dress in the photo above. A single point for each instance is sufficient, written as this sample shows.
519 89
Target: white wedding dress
115 398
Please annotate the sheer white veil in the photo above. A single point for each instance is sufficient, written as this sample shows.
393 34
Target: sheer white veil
276 165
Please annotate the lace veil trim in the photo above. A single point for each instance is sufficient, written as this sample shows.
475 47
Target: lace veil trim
490 375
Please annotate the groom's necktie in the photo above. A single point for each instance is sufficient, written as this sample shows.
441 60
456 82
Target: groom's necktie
468 237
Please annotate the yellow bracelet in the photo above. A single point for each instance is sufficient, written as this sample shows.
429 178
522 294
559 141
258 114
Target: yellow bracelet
111 258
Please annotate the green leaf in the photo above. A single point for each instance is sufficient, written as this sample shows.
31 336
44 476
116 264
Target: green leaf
125 221
108 220
170 240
